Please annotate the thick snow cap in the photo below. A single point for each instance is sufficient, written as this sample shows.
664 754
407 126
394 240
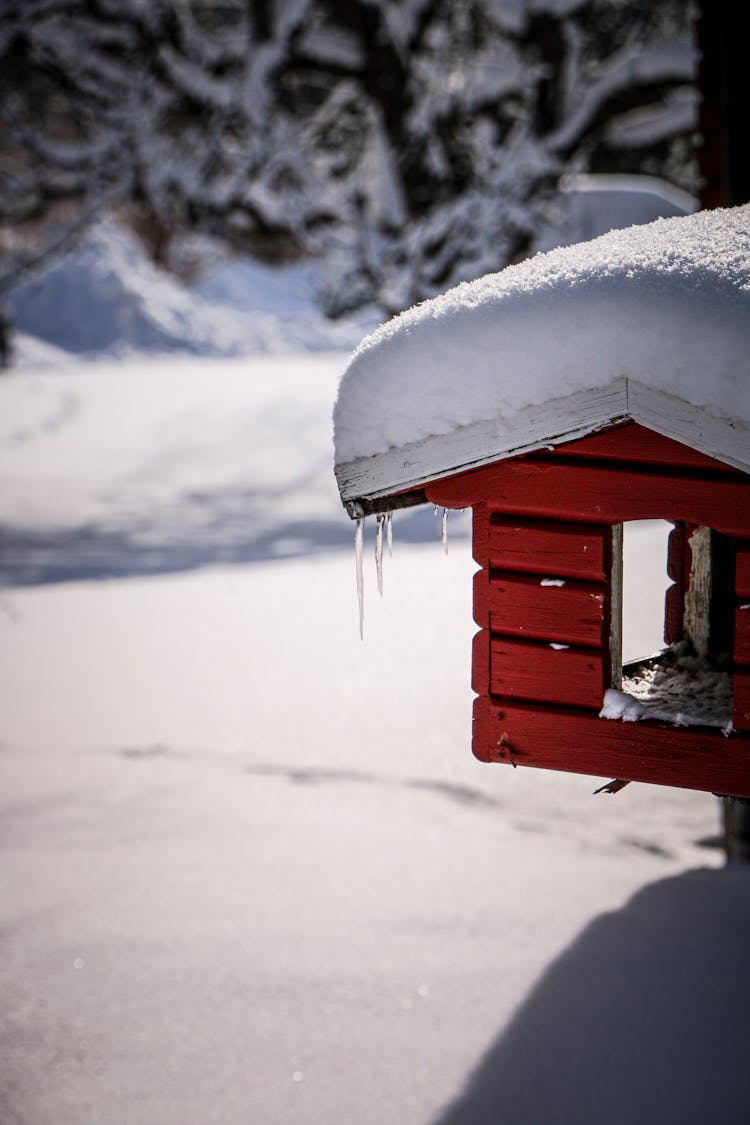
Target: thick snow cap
650 323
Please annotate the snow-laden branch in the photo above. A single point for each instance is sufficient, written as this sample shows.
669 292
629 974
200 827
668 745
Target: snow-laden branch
229 44
56 241
666 63
407 145
191 79
650 124
57 154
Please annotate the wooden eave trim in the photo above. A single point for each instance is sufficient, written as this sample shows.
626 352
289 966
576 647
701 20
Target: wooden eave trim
395 478
725 439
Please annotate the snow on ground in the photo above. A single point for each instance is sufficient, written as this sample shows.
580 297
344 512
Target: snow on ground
105 297
251 871
661 304
142 466
212 459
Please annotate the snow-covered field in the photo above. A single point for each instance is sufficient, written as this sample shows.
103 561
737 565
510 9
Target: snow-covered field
250 870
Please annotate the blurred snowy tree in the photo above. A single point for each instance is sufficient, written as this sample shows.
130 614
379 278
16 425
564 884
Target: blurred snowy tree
405 144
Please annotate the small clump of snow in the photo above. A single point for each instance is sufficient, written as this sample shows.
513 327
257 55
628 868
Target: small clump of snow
620 705
661 303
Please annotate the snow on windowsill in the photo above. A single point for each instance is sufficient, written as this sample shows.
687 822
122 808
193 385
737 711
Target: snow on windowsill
675 687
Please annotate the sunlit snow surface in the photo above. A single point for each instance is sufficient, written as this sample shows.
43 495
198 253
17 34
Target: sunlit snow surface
249 860
661 304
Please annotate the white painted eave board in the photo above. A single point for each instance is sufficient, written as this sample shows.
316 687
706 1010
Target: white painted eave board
373 483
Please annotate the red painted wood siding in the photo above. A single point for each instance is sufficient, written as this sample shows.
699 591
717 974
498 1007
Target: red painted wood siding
742 571
522 606
545 634
674 599
550 515
577 742
637 444
520 618
560 489
548 548
741 700
742 633
480 664
525 670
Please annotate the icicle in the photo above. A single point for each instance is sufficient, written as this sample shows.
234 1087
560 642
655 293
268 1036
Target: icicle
389 532
360 575
379 551
444 530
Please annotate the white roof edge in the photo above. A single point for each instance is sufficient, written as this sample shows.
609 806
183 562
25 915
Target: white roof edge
725 439
366 482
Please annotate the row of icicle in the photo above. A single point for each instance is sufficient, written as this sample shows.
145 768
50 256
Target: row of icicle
384 521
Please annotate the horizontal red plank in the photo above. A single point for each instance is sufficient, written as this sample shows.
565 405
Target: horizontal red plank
481 599
529 670
549 547
631 442
600 493
480 729
741 699
480 528
742 634
480 662
575 613
742 571
576 742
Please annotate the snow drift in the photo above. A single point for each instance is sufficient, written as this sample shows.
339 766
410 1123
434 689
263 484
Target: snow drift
105 297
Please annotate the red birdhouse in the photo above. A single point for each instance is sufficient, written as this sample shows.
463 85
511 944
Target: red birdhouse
547 669
586 388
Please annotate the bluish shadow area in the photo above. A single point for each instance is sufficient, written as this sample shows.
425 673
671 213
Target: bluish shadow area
94 552
643 1020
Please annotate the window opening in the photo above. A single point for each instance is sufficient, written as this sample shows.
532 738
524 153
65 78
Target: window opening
644 586
677 621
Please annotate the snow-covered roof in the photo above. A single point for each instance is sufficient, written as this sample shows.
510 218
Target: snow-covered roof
650 323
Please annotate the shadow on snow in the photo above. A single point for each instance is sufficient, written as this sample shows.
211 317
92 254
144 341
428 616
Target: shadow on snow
644 1018
30 557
